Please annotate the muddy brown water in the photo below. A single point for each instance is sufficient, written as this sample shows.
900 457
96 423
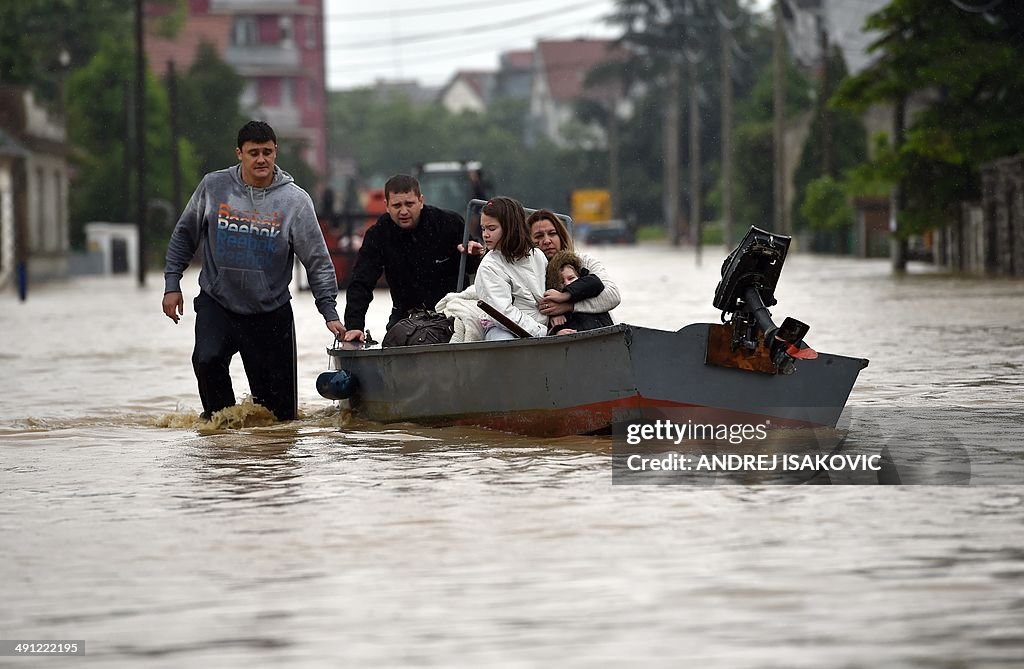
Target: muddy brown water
164 542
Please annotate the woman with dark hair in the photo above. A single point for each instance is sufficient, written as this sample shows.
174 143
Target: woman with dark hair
549 234
511 275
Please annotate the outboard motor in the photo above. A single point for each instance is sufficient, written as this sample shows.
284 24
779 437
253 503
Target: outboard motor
747 289
336 384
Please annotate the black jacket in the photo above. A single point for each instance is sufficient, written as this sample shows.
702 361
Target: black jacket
587 286
421 265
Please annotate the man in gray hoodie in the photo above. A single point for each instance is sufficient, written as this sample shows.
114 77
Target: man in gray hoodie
250 220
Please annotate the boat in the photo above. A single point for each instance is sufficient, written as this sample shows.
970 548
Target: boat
742 370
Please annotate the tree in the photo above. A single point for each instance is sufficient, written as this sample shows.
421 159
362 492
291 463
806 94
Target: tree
848 144
35 33
659 32
826 206
754 138
386 137
967 65
97 123
210 114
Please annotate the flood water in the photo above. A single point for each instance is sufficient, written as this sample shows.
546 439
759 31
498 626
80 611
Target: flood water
329 542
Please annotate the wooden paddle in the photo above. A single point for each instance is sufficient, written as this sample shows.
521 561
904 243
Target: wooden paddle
505 321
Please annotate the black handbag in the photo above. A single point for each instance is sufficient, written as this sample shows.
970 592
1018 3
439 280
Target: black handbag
420 327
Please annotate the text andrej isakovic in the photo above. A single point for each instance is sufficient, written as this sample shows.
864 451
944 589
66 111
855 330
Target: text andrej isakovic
665 430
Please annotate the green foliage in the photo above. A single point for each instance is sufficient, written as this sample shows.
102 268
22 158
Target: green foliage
760 104
33 33
98 122
170 24
848 143
209 109
753 139
753 185
650 233
967 67
876 177
826 206
391 137
290 159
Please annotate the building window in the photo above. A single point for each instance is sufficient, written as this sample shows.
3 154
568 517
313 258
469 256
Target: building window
249 99
287 31
245 31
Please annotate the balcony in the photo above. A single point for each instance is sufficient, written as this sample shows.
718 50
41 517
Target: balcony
252 59
259 7
281 118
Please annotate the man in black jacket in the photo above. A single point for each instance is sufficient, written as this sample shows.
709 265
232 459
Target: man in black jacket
417 247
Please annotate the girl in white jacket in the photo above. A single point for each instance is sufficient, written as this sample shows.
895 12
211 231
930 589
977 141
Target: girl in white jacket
511 275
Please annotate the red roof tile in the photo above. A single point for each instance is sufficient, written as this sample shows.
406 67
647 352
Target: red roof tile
567 62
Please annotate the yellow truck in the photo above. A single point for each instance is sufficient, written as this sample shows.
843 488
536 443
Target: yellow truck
592 218
593 205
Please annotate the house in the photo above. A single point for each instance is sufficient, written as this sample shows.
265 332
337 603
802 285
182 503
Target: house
514 78
467 90
278 47
33 188
560 68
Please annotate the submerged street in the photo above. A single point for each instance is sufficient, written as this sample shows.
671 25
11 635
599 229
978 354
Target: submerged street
130 525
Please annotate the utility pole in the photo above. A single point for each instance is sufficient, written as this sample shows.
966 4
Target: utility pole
824 116
694 113
781 221
613 155
172 96
726 39
140 140
128 118
671 138
898 243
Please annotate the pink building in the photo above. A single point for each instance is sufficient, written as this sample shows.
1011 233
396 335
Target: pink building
278 47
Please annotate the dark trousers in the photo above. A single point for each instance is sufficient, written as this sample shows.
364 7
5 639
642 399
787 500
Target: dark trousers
266 343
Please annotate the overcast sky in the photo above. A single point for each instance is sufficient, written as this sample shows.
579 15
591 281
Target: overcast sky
428 40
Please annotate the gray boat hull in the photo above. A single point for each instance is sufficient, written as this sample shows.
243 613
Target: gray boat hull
582 383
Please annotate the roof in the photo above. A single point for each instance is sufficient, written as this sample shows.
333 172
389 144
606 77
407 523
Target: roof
517 60
10 147
566 63
214 29
480 81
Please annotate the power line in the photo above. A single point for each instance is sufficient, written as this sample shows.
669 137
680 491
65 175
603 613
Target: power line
440 52
422 11
974 9
466 30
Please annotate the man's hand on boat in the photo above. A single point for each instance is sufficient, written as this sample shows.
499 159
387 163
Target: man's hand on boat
555 303
336 328
475 248
352 335
174 305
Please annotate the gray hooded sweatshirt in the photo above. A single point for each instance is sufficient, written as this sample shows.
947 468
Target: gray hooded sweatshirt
249 238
